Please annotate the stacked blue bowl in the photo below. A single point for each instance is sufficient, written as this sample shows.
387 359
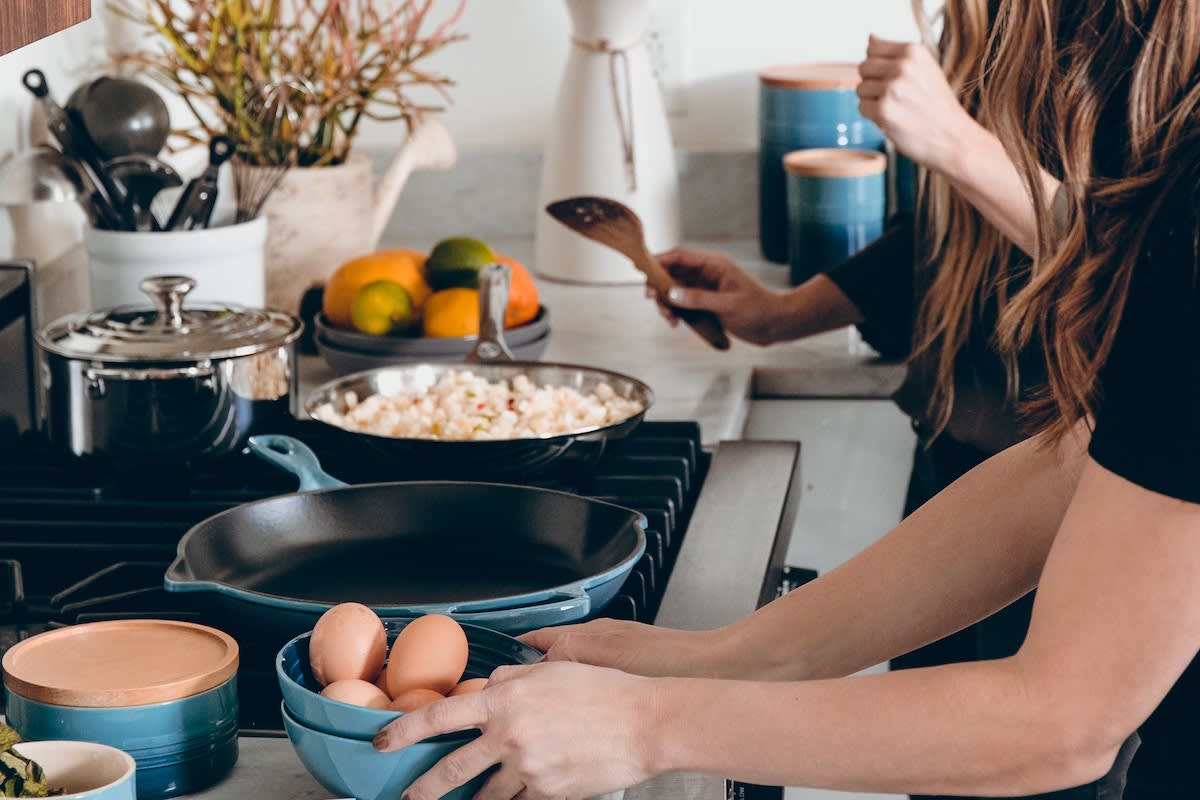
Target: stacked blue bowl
333 739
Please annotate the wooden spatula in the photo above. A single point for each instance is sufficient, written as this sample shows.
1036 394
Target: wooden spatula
616 225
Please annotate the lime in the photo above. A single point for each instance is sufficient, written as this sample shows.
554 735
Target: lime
456 262
381 308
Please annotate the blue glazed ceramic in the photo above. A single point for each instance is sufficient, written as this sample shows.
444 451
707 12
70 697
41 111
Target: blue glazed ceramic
511 614
189 771
83 770
179 746
803 106
836 206
149 729
487 650
353 768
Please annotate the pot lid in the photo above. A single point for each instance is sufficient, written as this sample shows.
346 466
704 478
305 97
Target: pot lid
120 663
168 331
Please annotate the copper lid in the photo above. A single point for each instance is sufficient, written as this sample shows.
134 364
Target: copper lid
120 663
811 76
834 162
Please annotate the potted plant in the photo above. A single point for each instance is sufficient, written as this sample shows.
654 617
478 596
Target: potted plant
291 81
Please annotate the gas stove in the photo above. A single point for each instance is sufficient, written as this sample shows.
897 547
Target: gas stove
78 545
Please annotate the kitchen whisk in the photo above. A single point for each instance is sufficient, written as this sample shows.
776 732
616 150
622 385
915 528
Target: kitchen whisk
283 124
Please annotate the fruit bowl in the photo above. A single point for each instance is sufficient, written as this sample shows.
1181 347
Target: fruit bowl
424 347
344 361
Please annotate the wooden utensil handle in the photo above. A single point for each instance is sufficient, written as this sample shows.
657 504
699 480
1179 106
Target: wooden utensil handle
705 323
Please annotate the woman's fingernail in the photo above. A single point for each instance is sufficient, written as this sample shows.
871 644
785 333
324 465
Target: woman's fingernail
380 741
675 295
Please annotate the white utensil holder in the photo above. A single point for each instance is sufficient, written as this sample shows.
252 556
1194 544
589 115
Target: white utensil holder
226 262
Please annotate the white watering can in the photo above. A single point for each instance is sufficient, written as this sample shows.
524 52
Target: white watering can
319 218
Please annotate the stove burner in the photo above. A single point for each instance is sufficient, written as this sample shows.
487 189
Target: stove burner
81 546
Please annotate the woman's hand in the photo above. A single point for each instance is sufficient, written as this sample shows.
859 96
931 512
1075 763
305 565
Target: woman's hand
712 282
556 730
631 647
905 93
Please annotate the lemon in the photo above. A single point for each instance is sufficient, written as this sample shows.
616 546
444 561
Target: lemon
456 262
381 308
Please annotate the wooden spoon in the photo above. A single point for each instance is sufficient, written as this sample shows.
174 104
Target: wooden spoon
616 225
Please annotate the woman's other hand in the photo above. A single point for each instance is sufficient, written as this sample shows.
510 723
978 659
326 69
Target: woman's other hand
712 282
556 730
905 93
631 647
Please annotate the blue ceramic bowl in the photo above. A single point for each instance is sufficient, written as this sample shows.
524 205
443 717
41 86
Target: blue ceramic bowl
179 746
353 768
83 770
487 650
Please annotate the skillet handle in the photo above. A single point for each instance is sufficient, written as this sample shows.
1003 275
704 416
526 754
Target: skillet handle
292 455
559 610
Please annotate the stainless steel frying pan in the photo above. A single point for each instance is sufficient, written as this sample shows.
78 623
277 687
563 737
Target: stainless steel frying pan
509 458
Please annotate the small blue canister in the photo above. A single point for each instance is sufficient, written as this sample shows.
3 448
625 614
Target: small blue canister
803 106
836 204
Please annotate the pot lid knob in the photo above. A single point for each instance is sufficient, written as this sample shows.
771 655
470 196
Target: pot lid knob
167 292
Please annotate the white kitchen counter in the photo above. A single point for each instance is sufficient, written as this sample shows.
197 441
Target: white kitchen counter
617 328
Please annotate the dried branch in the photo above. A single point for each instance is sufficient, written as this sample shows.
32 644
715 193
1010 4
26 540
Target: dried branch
291 80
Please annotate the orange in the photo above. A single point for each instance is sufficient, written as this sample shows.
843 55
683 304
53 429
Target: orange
523 299
452 312
405 267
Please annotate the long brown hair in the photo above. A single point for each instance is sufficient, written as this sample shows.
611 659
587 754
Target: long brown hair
1049 77
970 254
1064 76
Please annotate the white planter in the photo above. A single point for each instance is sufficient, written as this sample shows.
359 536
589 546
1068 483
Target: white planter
320 217
226 262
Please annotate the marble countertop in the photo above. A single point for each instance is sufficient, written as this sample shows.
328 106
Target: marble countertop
617 328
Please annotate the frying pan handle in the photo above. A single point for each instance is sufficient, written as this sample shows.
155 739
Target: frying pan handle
555 611
292 455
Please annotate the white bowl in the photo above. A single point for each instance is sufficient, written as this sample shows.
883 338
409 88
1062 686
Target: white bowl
83 769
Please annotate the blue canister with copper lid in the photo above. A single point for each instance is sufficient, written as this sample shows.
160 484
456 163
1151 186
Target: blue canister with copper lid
803 106
836 203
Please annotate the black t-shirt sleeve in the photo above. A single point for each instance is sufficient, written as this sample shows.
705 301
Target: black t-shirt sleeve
879 281
1148 419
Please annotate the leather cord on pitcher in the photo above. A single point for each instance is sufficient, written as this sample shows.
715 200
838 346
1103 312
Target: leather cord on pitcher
618 61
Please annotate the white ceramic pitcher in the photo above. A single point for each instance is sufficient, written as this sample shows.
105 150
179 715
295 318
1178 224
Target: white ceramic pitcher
609 136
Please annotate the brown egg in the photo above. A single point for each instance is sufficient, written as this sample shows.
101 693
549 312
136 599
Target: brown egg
348 643
412 699
469 686
381 682
356 693
430 653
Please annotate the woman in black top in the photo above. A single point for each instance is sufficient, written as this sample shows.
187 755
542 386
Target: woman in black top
1100 509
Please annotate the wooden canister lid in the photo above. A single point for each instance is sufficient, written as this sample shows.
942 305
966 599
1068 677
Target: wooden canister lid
834 162
811 76
120 663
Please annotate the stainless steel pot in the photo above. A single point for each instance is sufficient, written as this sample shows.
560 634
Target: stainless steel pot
145 387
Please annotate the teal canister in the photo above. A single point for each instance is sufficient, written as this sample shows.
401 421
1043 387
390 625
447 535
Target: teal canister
803 106
836 204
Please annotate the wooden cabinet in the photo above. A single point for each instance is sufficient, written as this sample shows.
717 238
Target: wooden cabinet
26 21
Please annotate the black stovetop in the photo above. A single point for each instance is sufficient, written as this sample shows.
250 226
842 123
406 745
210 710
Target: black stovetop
79 545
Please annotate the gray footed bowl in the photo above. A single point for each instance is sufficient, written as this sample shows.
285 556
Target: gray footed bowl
425 348
345 361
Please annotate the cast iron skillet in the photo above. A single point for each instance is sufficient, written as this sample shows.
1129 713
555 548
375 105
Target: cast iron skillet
511 558
510 458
